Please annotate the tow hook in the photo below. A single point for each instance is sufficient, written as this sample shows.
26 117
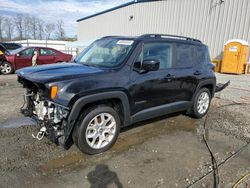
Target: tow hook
220 86
40 134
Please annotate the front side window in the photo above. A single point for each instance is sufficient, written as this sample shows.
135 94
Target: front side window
28 52
105 52
44 51
162 52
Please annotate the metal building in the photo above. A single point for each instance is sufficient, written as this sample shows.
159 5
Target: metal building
212 21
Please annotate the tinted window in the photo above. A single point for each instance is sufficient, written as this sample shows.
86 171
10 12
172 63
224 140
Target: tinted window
184 55
28 52
158 51
44 51
11 46
202 54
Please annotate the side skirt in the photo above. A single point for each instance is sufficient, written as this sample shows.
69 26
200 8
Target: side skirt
160 111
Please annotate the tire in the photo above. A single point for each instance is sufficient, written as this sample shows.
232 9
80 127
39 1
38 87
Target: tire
100 136
6 68
201 103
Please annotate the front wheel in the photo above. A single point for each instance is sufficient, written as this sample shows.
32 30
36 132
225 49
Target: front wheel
201 103
6 68
98 130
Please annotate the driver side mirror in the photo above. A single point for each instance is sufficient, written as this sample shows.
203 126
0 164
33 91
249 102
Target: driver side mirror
150 65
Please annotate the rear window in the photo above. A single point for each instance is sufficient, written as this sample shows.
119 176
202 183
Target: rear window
11 46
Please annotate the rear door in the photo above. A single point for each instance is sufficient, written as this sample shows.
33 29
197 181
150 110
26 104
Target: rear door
24 58
187 71
46 56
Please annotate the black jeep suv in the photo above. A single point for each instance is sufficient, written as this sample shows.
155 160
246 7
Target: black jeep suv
115 82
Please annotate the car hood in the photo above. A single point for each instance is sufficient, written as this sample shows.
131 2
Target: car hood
56 72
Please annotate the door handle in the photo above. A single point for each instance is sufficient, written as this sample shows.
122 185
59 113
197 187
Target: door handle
197 72
169 77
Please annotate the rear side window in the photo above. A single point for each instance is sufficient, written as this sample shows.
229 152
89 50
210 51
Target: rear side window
202 54
185 55
44 51
159 51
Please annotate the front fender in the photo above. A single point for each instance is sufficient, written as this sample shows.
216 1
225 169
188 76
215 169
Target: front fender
83 101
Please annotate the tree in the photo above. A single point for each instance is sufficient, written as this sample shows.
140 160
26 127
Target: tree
1 28
33 27
40 27
8 27
26 25
60 33
49 28
18 19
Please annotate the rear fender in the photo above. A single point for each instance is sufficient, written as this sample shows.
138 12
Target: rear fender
211 82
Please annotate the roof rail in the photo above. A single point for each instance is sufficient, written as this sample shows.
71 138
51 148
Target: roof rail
109 36
168 36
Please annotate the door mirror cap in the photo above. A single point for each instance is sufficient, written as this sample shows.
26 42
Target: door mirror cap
150 65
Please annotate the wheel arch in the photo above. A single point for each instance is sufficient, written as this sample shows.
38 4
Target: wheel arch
110 98
210 84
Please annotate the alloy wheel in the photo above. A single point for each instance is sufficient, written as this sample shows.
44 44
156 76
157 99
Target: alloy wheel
100 130
6 68
203 102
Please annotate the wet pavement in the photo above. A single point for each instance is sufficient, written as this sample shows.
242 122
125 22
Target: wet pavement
18 122
163 152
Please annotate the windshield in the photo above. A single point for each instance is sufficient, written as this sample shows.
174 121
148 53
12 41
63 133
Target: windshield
105 52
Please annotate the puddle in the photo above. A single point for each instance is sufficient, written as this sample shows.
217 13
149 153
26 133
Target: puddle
18 122
131 136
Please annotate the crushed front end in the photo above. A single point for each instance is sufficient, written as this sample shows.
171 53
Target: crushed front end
50 116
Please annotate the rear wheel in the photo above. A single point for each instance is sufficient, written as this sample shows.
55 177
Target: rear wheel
201 103
98 130
6 68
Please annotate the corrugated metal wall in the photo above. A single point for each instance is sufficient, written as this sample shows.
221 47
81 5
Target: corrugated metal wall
211 21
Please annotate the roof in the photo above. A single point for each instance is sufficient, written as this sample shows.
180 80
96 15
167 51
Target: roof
115 8
237 40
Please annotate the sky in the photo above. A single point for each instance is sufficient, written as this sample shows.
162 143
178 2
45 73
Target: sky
52 10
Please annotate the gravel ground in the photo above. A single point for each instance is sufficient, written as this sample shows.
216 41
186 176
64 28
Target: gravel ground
164 152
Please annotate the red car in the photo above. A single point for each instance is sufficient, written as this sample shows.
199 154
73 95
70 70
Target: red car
20 58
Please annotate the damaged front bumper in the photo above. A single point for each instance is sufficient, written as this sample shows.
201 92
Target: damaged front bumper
50 116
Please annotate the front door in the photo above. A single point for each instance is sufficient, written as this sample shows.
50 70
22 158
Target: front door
154 88
24 58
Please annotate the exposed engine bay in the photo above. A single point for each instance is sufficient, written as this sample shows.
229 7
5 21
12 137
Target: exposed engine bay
50 116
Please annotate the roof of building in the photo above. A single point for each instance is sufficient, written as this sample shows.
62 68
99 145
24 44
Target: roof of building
115 8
